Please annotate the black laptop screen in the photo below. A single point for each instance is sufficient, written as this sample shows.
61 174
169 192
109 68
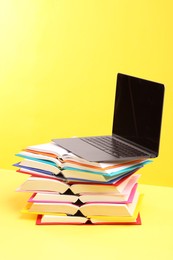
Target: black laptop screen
138 111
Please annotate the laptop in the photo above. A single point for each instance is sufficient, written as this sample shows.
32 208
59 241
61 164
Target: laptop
136 125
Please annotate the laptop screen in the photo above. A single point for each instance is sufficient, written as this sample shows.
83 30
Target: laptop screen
138 111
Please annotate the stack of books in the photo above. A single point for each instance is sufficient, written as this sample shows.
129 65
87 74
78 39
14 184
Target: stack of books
66 189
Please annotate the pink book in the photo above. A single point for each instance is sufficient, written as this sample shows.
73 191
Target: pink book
50 197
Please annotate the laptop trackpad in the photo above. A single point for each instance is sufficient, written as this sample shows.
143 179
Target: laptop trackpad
84 150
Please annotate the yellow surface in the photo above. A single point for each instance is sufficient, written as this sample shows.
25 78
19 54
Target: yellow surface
58 66
21 239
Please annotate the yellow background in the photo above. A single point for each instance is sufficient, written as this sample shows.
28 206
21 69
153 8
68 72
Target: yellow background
58 66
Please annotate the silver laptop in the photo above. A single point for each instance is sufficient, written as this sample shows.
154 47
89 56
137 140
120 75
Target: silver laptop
136 124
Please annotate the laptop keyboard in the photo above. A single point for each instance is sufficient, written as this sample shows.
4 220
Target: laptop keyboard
112 146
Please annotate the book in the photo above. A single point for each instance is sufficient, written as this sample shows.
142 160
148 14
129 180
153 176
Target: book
40 164
76 220
87 209
26 154
49 175
34 184
42 174
85 198
71 175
